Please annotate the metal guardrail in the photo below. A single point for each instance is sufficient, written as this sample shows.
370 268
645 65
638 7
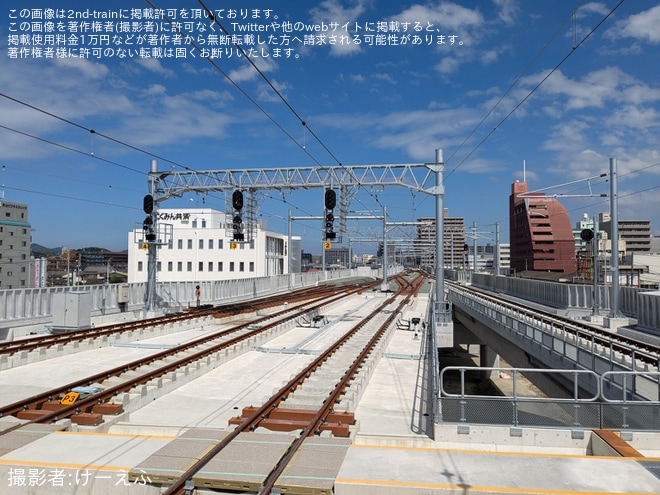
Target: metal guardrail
590 410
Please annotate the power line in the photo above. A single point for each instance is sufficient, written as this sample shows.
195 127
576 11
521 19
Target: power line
270 84
72 198
533 90
69 148
279 95
43 174
515 82
91 131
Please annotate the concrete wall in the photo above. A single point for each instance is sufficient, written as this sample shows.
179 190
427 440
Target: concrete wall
571 296
34 307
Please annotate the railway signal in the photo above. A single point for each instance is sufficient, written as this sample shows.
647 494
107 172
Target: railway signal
237 220
329 233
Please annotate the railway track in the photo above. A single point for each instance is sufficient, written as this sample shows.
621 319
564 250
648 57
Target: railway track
348 361
44 341
52 406
354 348
642 353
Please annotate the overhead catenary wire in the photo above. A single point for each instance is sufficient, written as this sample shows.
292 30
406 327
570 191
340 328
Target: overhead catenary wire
70 148
605 201
302 147
91 131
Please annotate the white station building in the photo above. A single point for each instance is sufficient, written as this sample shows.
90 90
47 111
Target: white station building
201 249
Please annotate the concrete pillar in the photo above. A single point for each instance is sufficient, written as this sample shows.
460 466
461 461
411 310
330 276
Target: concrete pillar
488 359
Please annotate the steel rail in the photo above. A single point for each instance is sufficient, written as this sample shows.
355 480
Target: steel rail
107 394
643 351
50 340
182 484
314 427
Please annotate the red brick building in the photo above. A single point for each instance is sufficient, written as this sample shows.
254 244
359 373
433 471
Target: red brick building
540 231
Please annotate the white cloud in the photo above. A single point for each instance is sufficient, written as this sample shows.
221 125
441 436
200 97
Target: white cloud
509 10
416 133
595 89
332 11
489 56
443 15
266 93
642 26
154 65
447 65
88 69
567 137
147 115
591 8
176 118
248 73
636 118
154 90
73 89
383 76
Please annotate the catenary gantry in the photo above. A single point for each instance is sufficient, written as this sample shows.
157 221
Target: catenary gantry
417 177
425 177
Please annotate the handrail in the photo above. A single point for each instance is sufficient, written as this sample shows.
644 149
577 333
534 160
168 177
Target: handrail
601 381
515 372
623 383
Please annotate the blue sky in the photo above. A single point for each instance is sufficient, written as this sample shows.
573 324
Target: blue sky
478 99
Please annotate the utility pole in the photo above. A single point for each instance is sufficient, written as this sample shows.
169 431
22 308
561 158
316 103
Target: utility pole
150 238
384 284
474 247
439 231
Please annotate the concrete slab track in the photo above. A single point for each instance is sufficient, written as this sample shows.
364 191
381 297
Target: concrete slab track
394 446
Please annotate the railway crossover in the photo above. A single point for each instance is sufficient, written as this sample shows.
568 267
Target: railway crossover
64 402
102 396
354 347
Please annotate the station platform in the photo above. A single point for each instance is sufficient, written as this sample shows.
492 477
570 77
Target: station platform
395 447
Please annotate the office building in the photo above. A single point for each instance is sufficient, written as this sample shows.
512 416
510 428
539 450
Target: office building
454 240
541 237
337 257
635 233
16 268
200 248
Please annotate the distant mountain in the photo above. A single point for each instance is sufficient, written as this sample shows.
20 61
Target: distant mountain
38 249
